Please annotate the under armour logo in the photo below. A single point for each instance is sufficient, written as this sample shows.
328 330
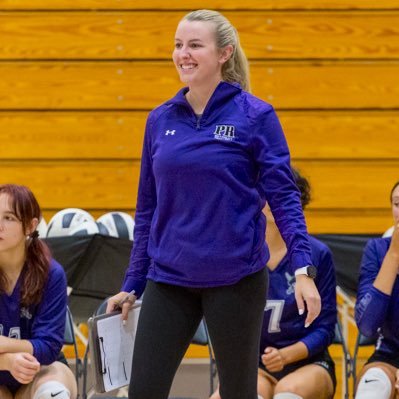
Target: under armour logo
170 132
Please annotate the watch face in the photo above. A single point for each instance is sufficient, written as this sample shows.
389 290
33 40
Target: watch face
312 271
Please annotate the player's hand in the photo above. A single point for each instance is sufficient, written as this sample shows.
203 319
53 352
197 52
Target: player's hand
23 367
306 293
121 301
394 246
273 359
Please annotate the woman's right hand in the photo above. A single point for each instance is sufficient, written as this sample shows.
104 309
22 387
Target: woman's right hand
23 367
394 246
121 301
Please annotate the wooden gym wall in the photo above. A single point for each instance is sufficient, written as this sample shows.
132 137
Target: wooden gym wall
77 79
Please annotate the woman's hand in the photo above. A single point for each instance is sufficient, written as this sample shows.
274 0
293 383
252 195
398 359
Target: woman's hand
23 367
306 291
273 359
122 301
394 246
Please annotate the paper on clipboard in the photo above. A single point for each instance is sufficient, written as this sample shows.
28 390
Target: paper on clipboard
112 344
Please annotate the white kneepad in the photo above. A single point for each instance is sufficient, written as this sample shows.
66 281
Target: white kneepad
286 395
374 384
52 390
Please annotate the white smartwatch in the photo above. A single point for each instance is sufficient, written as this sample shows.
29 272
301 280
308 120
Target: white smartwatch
309 271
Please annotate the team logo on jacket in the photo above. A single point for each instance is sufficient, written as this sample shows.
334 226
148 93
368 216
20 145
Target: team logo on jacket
25 313
224 132
290 283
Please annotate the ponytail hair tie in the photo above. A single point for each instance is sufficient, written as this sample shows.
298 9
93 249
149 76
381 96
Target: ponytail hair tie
35 234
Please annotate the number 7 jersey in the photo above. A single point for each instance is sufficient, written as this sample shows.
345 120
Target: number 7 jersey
282 325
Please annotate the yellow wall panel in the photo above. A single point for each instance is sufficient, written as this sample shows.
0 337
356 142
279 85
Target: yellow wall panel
150 35
71 135
143 85
63 184
103 184
350 184
119 135
196 4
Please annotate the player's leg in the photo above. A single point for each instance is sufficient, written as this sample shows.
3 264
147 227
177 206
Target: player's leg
53 381
376 380
311 382
234 316
266 385
169 317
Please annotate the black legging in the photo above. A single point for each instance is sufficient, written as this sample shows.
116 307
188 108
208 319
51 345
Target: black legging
168 320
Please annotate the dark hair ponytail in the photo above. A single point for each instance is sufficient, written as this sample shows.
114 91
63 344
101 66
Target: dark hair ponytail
35 271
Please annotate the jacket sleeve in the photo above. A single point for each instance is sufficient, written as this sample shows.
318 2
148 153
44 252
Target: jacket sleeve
48 327
321 331
371 303
135 277
277 186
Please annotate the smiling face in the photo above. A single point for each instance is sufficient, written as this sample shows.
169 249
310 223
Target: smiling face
395 204
196 56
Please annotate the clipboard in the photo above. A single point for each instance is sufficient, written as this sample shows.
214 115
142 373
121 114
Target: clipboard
111 348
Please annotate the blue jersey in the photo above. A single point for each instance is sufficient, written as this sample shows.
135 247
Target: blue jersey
377 312
43 325
203 185
282 325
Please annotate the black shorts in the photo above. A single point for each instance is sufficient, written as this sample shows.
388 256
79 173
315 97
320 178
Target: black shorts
322 359
383 357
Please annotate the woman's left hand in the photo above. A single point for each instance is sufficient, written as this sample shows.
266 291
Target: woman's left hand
306 292
273 359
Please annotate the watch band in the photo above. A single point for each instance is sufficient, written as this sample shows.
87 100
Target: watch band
309 271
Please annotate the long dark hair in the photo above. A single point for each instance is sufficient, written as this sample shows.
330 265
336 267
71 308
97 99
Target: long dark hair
35 271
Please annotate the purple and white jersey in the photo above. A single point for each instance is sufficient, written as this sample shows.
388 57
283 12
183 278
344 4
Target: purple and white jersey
282 325
43 325
377 312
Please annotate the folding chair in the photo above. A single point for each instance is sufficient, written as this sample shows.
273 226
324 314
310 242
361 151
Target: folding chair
201 337
347 363
361 341
70 339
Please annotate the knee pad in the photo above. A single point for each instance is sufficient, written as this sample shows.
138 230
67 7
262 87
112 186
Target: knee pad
374 384
52 390
286 395
260 397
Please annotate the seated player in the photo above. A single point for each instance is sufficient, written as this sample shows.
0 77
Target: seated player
294 362
33 304
377 310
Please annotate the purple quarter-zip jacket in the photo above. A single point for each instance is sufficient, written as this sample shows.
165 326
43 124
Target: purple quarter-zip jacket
203 184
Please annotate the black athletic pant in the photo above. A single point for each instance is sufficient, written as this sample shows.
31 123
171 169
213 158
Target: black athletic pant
168 320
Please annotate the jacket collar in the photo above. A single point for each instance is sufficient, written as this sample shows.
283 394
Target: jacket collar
223 92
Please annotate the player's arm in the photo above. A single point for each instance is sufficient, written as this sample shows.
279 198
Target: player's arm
321 332
135 276
276 359
12 345
371 303
389 268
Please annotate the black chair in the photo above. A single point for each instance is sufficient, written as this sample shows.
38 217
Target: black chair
361 341
347 370
70 339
